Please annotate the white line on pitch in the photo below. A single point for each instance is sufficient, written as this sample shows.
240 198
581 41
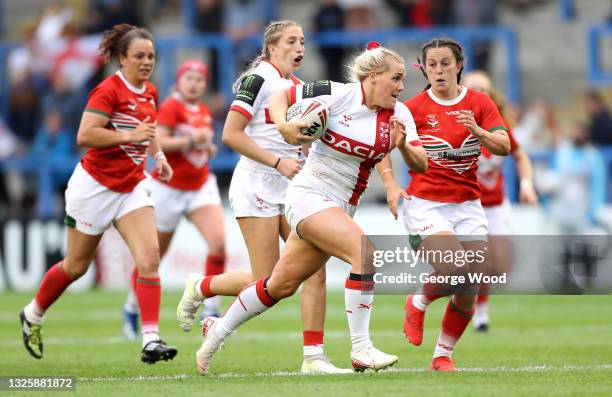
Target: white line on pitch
529 368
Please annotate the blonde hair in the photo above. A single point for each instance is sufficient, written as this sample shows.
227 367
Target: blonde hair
371 60
272 34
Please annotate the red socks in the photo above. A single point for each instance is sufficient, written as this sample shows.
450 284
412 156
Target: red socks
313 338
52 286
205 287
215 264
453 324
148 292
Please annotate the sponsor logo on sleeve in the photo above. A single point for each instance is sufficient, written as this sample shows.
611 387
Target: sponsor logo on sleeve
249 88
311 90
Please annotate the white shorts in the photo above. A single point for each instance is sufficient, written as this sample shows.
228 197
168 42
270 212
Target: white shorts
499 218
422 218
257 194
92 207
171 204
303 200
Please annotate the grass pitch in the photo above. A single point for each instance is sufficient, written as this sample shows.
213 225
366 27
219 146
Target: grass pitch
537 346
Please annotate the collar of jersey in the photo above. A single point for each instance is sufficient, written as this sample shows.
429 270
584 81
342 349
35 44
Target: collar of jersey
276 68
448 103
130 87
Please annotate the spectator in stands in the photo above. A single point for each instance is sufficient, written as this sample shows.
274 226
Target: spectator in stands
471 13
576 180
60 97
54 147
359 14
209 19
537 128
422 13
27 72
576 187
50 24
53 141
9 180
330 16
242 19
104 14
600 121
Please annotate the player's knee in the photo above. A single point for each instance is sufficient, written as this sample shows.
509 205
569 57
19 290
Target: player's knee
282 289
75 268
148 262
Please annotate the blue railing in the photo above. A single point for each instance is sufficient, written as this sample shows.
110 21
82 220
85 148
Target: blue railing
596 74
567 10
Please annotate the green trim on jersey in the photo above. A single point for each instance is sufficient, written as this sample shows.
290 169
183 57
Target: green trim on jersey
97 112
499 127
415 240
69 221
148 282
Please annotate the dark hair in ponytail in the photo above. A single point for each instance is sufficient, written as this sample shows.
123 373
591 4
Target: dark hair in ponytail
117 40
442 42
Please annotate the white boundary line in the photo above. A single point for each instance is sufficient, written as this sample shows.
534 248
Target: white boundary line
529 368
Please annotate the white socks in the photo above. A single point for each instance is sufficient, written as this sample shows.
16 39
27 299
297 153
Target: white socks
358 309
33 313
420 302
253 300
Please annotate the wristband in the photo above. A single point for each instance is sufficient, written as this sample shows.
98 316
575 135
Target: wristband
277 162
526 183
159 156
385 171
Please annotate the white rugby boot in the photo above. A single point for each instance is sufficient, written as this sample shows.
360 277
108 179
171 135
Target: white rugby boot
371 358
321 364
210 345
190 303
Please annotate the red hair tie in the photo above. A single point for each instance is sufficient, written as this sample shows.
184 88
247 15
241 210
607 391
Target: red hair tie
373 44
417 66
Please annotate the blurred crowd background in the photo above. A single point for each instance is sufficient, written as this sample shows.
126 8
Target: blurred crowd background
50 62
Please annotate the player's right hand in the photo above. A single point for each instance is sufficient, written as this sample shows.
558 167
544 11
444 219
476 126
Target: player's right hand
394 194
290 167
291 132
143 132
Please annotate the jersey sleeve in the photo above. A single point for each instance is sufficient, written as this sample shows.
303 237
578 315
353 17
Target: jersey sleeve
490 119
403 113
249 95
330 91
168 113
102 100
514 145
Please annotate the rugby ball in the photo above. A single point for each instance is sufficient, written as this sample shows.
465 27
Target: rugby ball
314 112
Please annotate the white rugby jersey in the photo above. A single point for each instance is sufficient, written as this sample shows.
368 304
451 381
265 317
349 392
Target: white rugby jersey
253 101
340 163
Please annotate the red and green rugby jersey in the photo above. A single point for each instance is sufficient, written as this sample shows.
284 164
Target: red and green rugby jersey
452 150
190 166
120 168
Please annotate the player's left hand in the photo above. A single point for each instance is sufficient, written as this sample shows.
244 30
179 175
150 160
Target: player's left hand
394 194
164 169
